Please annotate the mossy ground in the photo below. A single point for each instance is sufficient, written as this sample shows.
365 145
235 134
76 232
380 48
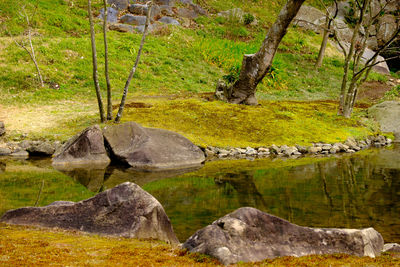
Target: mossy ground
69 248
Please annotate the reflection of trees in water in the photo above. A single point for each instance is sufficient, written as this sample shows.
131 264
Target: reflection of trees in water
243 183
2 166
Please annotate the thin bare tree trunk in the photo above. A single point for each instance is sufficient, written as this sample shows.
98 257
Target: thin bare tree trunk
321 53
350 55
94 60
122 104
109 102
34 58
256 66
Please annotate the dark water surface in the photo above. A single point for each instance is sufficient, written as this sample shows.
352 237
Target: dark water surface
356 191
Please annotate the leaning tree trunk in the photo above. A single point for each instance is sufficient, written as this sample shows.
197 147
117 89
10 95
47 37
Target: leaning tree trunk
256 66
94 60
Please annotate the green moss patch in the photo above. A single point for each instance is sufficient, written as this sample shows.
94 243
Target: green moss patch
226 125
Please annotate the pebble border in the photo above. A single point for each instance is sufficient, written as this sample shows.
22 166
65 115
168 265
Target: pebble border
349 146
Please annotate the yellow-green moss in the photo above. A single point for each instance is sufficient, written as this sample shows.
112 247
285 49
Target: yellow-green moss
227 125
29 246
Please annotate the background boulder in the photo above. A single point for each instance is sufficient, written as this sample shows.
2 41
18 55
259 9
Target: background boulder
387 114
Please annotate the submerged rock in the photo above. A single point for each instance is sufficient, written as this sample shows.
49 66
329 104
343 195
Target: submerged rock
82 149
151 149
248 234
125 210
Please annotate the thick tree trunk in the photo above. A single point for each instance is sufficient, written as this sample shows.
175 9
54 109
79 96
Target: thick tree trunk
94 60
109 102
256 66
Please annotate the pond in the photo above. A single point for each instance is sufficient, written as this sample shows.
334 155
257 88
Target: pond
351 191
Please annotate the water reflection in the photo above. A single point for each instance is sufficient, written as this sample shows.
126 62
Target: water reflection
98 178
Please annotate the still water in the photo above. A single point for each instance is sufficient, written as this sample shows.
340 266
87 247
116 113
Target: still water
352 191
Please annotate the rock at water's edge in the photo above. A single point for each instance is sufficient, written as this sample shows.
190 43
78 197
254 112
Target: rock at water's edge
151 149
84 148
249 235
2 128
125 210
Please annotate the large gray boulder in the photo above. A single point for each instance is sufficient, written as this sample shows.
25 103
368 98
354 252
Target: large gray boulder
83 149
310 18
151 149
125 210
249 235
2 128
387 114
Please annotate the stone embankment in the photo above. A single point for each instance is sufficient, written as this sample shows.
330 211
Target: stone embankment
350 146
28 148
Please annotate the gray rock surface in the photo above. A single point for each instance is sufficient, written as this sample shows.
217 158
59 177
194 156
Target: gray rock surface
169 20
4 151
125 210
391 247
148 148
122 27
249 235
118 4
133 20
112 14
38 147
310 18
2 128
387 114
85 148
139 9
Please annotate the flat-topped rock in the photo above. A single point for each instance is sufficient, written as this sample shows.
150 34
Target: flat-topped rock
125 210
249 235
150 148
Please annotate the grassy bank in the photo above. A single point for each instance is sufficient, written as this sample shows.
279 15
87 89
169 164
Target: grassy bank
67 248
